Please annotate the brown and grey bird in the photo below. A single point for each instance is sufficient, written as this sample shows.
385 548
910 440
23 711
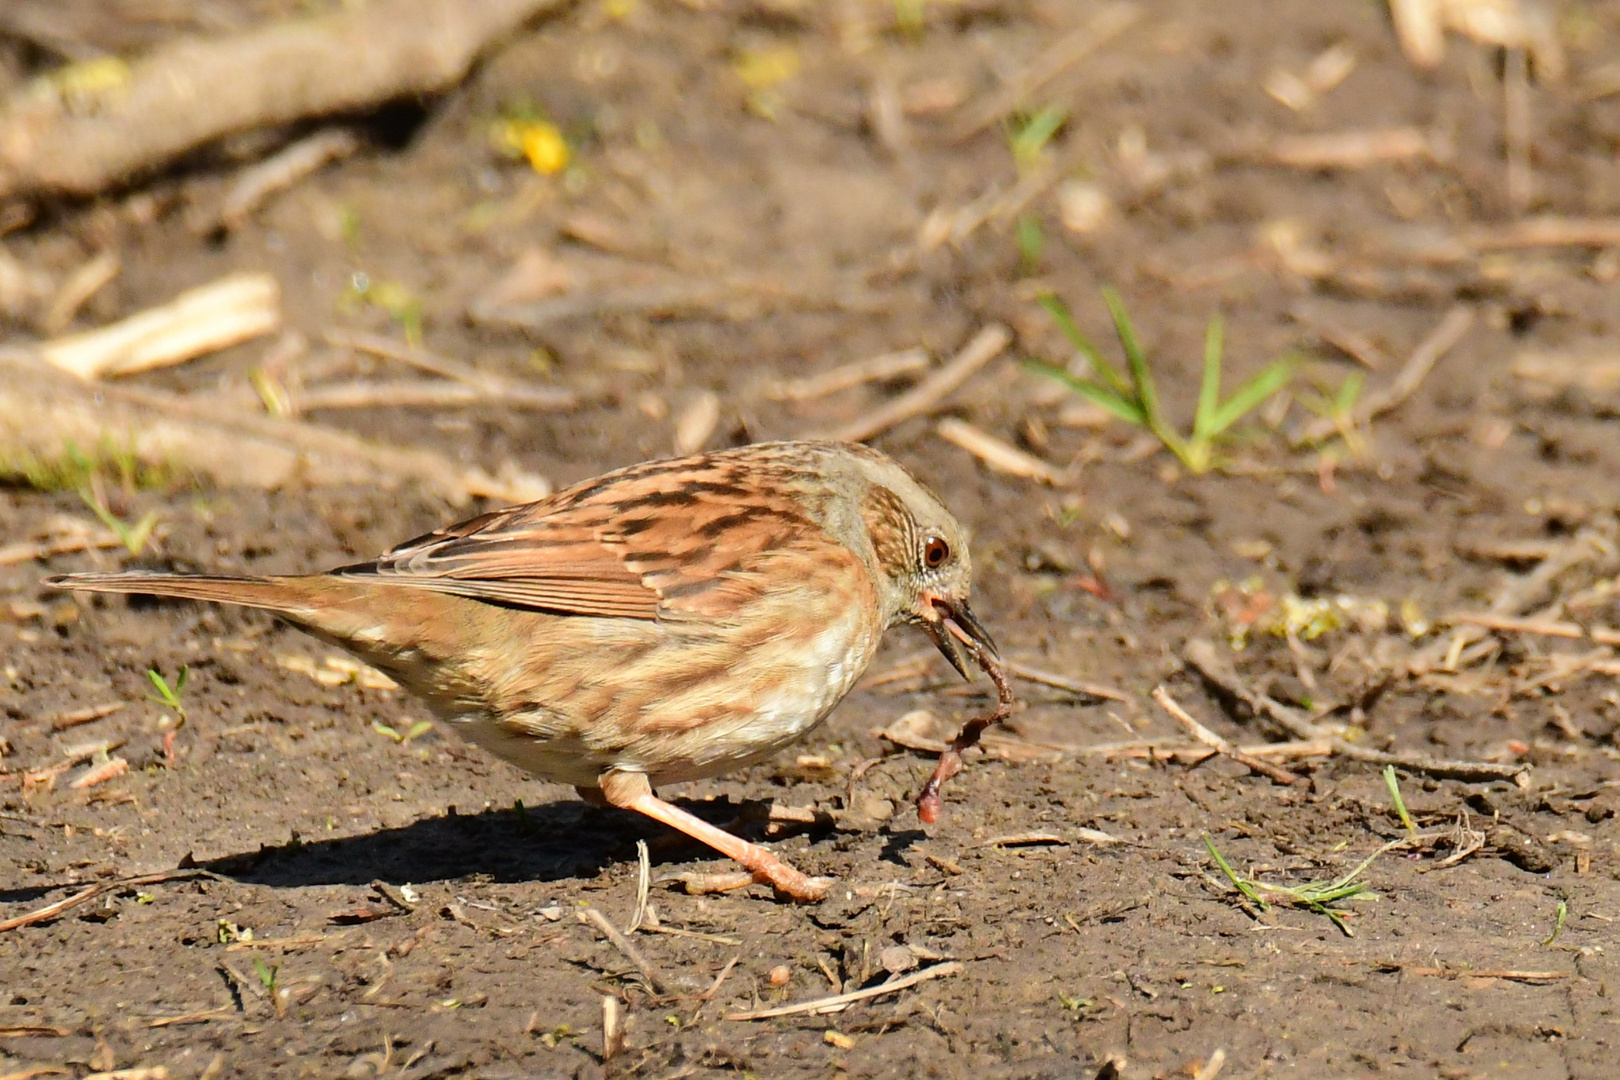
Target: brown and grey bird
669 621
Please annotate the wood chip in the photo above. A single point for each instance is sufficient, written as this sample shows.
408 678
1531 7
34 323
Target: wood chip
236 308
998 455
72 719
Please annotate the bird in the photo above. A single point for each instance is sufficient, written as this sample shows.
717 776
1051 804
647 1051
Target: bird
673 620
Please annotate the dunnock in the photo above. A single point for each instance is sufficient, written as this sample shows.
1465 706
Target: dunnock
669 621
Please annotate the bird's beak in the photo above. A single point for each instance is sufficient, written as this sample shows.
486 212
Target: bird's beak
954 625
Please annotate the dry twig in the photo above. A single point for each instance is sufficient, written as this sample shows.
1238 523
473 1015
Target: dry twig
595 918
997 454
1218 744
90 892
891 365
839 1002
930 393
255 186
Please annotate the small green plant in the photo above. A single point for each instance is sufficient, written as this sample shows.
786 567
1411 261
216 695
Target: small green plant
1558 922
1135 399
1029 134
1314 896
133 537
1393 782
1338 407
421 727
169 695
270 979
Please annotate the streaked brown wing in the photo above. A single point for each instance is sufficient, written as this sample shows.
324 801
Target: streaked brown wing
665 538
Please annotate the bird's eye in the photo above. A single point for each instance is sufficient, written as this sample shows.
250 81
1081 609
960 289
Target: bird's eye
935 552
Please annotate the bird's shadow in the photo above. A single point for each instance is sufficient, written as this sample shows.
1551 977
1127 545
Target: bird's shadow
549 842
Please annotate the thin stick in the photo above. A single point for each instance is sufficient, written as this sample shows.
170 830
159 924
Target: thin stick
891 365
839 1002
50 911
698 935
1062 682
719 980
950 762
1352 149
1464 973
443 366
998 455
1506 624
927 395
1218 744
1440 341
282 170
625 946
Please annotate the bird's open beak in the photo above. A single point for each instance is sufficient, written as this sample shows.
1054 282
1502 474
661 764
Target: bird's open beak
953 626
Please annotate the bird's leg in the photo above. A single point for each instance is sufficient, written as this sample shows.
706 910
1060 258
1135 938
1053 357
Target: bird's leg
633 791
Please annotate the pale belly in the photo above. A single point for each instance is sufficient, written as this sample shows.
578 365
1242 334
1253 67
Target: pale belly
749 727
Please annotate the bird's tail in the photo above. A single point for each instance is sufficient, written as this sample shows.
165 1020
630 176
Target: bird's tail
287 595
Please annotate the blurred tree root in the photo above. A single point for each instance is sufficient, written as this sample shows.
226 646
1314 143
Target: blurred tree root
46 414
97 125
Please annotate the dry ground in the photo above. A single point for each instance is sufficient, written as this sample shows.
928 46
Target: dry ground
805 226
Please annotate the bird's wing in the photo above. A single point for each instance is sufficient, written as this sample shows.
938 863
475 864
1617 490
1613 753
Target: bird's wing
685 537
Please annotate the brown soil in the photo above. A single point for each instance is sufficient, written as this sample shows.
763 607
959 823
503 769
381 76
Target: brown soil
1072 951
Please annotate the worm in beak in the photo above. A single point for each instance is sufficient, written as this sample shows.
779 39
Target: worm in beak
956 626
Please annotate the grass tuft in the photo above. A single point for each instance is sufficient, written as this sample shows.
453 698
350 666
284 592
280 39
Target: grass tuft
1316 896
1133 396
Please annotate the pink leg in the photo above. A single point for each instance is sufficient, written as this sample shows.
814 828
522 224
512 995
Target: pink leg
632 791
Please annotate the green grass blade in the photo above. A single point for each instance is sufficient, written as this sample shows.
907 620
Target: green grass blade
1558 924
1253 393
1209 392
1393 783
1141 378
1115 404
1242 885
1059 311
